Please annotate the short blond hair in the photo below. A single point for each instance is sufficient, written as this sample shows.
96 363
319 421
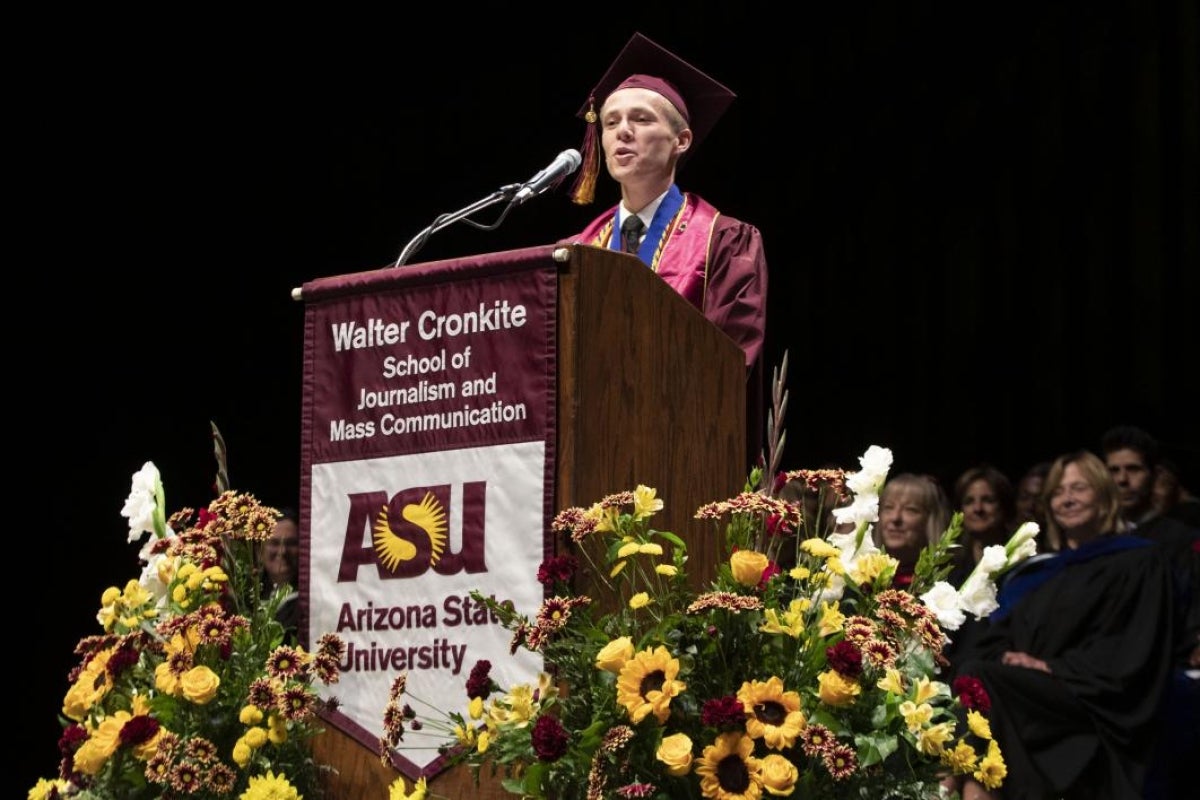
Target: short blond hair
1096 473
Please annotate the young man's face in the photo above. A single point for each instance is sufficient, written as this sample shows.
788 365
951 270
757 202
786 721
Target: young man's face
1134 480
637 134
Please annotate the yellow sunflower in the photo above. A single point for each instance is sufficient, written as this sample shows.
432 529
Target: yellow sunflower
728 771
773 715
647 683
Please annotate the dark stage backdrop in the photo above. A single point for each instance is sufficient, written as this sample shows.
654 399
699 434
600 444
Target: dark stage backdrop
982 231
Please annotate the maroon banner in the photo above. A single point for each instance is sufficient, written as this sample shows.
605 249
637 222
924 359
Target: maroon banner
427 473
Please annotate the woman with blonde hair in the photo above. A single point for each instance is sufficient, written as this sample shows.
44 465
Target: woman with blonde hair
1077 657
913 513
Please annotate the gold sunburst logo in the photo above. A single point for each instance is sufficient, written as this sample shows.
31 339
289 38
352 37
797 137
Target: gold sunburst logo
428 515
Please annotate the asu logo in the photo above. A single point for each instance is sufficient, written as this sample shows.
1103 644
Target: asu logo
429 516
408 534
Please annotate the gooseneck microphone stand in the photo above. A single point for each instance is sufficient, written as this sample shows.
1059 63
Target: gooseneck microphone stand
504 193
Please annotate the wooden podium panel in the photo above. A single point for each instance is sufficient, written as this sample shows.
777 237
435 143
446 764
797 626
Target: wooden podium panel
648 392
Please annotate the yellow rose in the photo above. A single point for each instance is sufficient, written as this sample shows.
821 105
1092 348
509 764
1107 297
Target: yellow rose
779 775
836 690
748 566
199 684
614 654
676 752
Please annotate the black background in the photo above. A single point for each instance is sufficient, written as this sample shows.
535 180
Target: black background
981 227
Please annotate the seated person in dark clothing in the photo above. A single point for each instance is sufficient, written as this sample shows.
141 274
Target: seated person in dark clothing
1077 657
1133 458
280 558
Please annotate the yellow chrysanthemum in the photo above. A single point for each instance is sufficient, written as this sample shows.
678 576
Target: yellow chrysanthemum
256 737
639 600
799 573
819 548
979 725
992 769
647 683
773 714
270 787
728 770
669 570
961 758
628 549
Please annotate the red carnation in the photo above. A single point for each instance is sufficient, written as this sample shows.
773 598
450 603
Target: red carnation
479 684
845 658
549 738
971 694
139 730
558 568
723 712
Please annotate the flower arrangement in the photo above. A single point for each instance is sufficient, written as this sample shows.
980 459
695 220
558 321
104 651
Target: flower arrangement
799 671
193 688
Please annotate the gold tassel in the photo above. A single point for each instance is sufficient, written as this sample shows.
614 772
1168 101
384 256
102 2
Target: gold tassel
584 190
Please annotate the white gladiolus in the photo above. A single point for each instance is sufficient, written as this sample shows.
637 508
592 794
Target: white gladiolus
978 595
993 560
875 465
1023 543
944 602
864 510
139 506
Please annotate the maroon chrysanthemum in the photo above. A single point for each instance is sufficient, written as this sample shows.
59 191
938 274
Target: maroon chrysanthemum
971 694
845 658
723 712
549 738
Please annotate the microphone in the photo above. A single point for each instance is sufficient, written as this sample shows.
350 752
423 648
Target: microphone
563 165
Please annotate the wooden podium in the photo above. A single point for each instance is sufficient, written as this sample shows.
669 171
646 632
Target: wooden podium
648 391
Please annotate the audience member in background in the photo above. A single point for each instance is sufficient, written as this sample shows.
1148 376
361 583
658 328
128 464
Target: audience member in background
985 497
1029 506
280 558
913 513
1076 659
1132 457
1171 497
